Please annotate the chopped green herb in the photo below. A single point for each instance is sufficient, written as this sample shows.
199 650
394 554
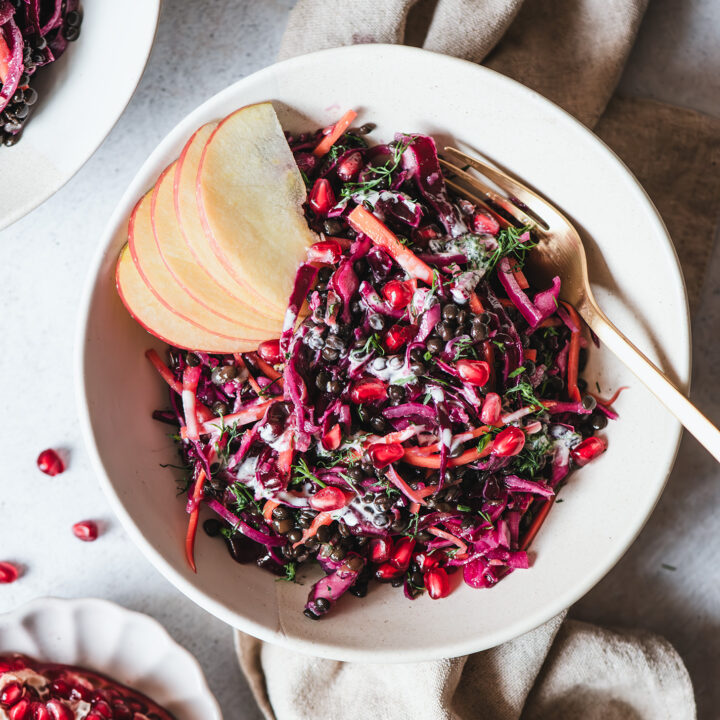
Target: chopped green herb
464 508
301 474
526 391
290 570
509 243
518 371
372 344
380 176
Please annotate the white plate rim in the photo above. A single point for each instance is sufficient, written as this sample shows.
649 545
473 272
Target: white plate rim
48 605
234 619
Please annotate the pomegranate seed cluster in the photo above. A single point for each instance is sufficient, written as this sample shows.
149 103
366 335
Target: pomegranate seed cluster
417 419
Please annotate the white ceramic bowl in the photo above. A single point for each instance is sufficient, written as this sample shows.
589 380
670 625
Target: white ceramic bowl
637 280
126 646
82 95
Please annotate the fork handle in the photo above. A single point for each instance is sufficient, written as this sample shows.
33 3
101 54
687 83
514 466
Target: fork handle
656 381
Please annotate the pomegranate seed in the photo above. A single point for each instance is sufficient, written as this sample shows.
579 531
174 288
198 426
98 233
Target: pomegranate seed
437 583
50 462
425 561
398 293
474 372
380 550
11 694
121 712
332 438
588 450
94 716
20 711
8 573
328 498
269 351
483 223
508 442
136 705
387 572
382 454
350 166
491 409
58 711
402 553
426 233
398 335
40 712
368 391
103 709
327 251
87 530
322 197
61 688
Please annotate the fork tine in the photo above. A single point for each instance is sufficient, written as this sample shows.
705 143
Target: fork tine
507 205
536 204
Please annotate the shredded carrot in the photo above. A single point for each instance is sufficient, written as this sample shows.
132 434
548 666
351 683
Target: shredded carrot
363 221
550 322
449 536
476 304
518 274
240 418
193 521
573 356
267 369
608 403
401 485
240 360
506 302
537 522
268 507
460 438
335 134
531 354
433 461
323 518
164 371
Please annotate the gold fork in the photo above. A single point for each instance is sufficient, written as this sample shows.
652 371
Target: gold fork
560 252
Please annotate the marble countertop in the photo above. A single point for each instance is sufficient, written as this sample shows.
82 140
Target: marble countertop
200 49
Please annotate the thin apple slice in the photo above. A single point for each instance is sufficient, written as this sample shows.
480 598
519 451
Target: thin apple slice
161 322
250 195
186 209
181 264
163 286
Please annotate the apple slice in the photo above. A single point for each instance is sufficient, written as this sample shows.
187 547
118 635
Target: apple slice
160 282
250 195
181 264
161 322
193 233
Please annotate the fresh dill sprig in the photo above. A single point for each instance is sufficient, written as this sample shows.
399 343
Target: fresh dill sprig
532 457
301 473
372 344
527 393
509 243
381 176
290 571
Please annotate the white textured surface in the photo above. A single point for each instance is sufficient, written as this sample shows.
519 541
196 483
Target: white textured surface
128 647
200 49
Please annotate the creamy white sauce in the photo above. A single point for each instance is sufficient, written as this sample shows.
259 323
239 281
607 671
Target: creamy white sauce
393 371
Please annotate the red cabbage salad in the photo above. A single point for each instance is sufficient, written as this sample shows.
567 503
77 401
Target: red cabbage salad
419 414
33 33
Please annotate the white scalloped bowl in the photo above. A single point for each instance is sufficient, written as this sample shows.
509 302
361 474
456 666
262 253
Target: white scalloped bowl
636 278
127 646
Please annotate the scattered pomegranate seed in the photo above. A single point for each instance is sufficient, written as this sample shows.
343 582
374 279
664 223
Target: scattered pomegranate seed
87 530
491 409
11 694
327 499
484 223
508 442
402 553
437 583
20 711
398 293
103 709
387 572
588 450
368 391
269 351
382 454
398 335
58 711
322 197
380 550
40 712
474 372
426 233
8 573
350 166
50 462
327 251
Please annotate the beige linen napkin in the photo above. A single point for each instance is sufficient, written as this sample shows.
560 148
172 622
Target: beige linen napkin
573 52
